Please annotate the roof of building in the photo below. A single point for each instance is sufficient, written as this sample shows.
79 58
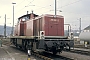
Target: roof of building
87 28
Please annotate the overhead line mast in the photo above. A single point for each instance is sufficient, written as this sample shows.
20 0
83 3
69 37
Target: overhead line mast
80 26
55 8
5 27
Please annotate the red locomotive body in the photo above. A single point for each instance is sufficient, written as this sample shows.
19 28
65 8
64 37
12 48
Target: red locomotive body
24 26
29 28
41 32
20 28
53 26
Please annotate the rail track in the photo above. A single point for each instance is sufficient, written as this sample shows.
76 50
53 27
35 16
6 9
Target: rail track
50 56
6 42
82 52
45 55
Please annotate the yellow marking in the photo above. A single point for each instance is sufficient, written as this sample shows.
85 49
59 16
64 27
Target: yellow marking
29 59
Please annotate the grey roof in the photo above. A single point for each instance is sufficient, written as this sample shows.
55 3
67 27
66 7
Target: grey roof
87 28
27 15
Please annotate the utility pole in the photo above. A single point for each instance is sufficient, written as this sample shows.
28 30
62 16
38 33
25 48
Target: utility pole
55 8
80 26
13 19
5 27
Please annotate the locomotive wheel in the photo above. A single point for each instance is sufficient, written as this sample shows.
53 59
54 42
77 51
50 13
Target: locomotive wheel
26 46
54 50
46 48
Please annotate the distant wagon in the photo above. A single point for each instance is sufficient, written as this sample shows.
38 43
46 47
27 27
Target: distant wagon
85 35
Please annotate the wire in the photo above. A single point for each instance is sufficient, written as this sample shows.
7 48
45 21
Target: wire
34 9
20 3
50 5
24 7
20 10
67 4
29 2
42 7
70 3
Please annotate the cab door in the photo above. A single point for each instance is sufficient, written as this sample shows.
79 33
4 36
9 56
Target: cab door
53 27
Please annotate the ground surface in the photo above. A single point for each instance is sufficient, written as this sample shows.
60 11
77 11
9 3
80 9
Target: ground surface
75 56
11 53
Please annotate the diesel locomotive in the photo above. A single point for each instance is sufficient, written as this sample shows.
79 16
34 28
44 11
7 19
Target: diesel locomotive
45 32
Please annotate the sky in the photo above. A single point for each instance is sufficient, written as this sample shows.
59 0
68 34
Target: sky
72 10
